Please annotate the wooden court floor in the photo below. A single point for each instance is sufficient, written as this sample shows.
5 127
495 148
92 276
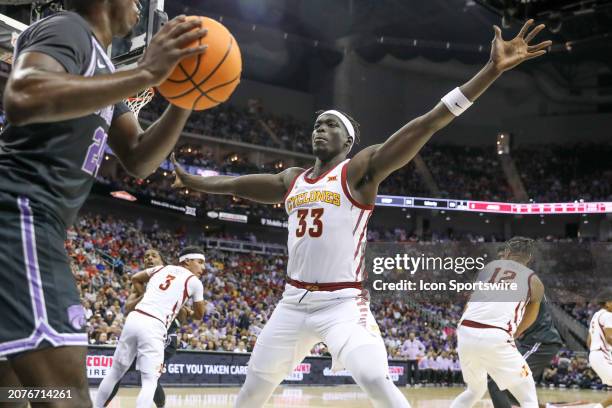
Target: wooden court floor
339 396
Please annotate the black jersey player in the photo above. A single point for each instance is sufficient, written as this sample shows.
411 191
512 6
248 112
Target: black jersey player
63 105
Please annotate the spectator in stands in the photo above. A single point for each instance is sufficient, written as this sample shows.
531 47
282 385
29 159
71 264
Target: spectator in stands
241 348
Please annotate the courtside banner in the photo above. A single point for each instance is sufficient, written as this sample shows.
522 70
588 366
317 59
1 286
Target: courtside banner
192 368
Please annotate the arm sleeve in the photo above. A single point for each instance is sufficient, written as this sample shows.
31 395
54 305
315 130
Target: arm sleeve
62 37
196 290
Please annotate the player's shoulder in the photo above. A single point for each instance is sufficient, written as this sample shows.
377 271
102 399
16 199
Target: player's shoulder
153 270
290 175
177 269
605 314
508 264
66 30
293 172
66 21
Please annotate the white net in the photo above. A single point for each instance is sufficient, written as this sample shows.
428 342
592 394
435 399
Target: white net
137 102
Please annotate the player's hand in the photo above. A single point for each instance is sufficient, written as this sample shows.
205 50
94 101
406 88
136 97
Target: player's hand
168 47
506 55
179 173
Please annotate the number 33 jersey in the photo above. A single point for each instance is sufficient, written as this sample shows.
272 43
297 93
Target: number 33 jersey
327 228
55 163
168 289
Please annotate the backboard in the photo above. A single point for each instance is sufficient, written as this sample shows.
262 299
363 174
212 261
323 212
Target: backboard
126 51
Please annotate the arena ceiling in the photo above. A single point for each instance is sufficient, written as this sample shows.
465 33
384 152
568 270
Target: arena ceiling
282 39
296 32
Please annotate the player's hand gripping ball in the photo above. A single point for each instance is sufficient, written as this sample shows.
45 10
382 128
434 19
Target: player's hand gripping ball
204 81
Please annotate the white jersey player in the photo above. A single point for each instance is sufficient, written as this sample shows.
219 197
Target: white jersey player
493 317
600 343
144 333
328 207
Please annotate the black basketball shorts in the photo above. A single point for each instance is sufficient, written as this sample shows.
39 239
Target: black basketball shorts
39 301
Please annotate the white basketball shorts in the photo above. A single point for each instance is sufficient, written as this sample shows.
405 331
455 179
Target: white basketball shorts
143 337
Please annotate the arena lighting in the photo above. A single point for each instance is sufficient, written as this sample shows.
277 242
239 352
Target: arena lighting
491 207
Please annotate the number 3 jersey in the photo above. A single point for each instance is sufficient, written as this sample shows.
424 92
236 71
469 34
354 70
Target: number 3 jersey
54 164
327 229
168 289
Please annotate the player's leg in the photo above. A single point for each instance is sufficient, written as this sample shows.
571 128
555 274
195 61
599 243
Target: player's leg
510 371
474 393
42 325
150 359
500 399
124 355
602 365
538 356
148 381
525 393
58 367
8 379
159 398
353 338
110 384
368 366
116 389
474 374
284 341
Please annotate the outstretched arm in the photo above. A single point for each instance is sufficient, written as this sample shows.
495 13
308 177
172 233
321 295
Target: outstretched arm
374 164
262 188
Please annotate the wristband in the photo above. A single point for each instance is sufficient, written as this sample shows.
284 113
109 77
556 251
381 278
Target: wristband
456 102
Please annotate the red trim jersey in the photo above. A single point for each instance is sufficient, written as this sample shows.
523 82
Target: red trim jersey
601 320
327 228
167 291
498 305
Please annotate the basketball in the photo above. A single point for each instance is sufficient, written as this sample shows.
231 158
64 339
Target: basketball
204 81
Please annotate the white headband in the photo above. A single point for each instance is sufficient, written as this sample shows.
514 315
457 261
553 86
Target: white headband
345 121
191 256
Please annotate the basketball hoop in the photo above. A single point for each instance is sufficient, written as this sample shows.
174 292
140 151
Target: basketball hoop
137 102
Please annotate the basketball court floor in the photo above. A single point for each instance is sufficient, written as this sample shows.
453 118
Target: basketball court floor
339 396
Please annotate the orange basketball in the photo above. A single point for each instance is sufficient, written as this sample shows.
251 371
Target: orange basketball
204 81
